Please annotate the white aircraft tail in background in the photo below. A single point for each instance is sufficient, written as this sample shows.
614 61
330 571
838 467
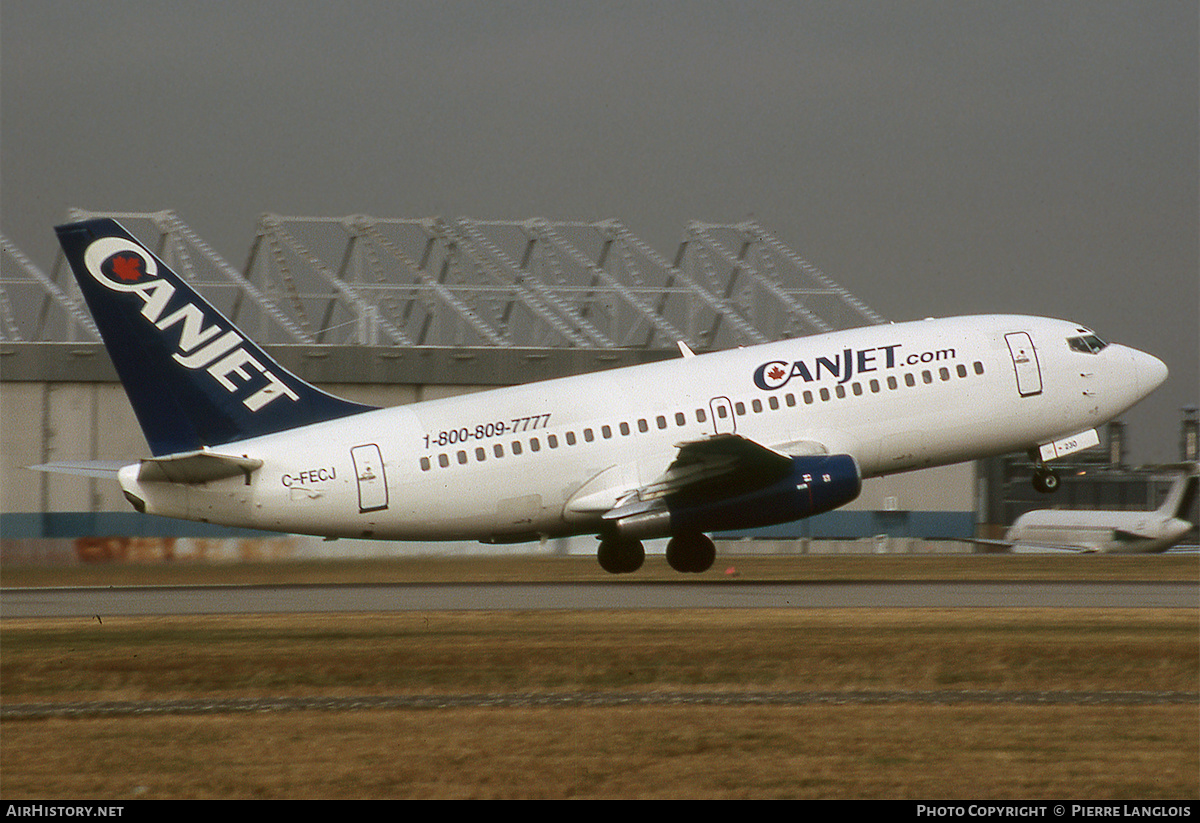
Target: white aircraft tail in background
1109 532
725 440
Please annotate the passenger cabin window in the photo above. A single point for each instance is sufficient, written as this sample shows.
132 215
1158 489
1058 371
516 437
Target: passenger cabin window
1089 344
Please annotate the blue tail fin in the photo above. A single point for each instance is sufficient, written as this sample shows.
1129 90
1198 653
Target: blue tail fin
194 380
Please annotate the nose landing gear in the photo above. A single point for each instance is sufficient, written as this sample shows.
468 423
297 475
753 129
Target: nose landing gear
1045 480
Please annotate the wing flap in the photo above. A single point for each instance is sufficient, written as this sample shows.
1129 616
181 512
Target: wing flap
715 467
718 460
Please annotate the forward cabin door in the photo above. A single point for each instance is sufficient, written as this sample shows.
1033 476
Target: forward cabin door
1025 362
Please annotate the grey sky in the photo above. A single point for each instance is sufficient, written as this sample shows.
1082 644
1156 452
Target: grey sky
934 157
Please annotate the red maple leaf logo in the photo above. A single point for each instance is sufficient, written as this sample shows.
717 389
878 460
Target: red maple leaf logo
128 267
776 373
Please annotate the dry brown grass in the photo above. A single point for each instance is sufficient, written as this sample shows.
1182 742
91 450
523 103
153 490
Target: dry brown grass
897 752
475 652
885 751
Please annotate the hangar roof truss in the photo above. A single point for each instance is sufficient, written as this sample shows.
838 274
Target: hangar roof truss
464 282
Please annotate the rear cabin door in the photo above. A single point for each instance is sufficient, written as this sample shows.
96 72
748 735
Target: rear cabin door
372 483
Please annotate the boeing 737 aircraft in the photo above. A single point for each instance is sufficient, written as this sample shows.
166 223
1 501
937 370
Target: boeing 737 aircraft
719 441
1109 532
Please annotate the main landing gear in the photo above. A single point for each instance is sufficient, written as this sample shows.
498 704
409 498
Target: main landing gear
620 555
691 552
685 553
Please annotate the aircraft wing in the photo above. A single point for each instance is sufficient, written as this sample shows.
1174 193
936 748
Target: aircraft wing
710 466
716 467
1028 545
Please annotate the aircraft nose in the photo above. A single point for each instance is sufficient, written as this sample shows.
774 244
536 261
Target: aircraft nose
1151 372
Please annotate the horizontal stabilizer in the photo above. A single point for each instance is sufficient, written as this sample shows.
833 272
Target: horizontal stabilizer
189 467
196 467
106 469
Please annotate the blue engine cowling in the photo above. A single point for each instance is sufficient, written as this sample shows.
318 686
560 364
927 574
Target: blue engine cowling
813 485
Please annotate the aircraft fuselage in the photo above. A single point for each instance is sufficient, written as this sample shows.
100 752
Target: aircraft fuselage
550 458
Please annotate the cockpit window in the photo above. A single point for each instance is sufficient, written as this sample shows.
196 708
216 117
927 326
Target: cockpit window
1088 344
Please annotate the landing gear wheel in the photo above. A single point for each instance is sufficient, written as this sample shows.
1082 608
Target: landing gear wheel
619 555
1045 481
691 553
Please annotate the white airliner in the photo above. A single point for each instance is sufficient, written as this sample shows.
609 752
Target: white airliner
1112 532
719 441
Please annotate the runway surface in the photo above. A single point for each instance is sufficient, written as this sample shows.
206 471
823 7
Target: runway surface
298 599
143 708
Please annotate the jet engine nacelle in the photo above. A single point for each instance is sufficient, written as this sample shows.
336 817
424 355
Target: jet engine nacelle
812 485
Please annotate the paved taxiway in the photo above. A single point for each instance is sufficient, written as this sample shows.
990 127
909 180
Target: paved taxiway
250 599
